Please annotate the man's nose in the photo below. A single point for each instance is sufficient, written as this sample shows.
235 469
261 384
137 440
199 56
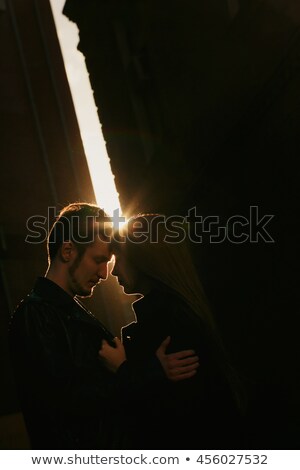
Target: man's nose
103 271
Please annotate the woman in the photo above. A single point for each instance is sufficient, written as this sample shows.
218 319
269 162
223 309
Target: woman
202 411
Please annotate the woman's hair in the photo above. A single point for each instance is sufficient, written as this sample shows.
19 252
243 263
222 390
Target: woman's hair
160 250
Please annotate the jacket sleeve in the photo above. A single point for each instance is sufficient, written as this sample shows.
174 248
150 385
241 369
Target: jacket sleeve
133 378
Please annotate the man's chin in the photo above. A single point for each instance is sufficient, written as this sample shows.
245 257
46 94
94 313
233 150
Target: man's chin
86 293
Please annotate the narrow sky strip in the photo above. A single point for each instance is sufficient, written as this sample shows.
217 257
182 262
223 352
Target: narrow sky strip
86 111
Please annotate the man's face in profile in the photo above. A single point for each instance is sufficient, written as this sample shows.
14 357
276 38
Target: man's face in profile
85 273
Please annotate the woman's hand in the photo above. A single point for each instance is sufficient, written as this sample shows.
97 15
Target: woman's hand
177 366
112 357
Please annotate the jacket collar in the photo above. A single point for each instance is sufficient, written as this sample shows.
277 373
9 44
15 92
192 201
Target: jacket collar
51 292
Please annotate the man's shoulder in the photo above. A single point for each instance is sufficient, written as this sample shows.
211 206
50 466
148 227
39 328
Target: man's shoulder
32 308
32 299
47 296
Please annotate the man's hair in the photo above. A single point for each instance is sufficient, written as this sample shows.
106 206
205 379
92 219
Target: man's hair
76 223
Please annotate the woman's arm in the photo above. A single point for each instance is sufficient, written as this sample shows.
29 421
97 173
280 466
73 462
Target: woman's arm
176 366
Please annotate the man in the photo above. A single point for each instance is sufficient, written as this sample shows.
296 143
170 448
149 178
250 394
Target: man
67 396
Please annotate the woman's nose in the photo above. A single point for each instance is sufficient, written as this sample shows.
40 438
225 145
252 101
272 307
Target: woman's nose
114 271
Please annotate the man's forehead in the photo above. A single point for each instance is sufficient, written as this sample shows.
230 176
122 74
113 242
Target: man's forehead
101 247
103 228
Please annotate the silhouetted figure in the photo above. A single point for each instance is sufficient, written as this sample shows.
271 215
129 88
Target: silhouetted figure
205 411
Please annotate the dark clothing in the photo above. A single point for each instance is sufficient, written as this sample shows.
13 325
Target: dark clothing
197 413
64 390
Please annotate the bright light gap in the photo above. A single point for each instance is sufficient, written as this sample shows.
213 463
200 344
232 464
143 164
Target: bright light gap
86 111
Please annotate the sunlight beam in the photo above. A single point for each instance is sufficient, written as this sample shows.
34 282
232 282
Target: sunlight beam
86 111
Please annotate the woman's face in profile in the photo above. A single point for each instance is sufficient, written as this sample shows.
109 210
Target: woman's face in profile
128 276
